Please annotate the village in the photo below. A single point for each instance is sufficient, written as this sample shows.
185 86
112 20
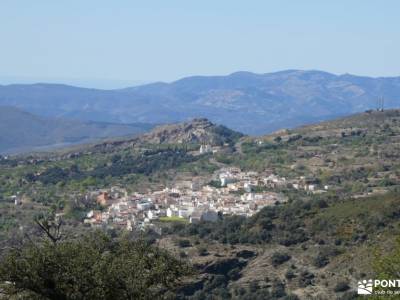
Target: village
231 192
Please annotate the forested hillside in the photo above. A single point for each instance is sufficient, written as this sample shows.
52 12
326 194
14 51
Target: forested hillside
316 243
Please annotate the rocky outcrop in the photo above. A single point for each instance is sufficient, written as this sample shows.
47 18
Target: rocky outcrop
198 130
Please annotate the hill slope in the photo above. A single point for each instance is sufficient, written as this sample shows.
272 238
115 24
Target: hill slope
196 131
22 131
247 102
315 245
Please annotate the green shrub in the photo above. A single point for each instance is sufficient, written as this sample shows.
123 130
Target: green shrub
184 243
341 286
279 258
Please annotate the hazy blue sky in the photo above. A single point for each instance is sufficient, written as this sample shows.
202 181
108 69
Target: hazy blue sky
165 40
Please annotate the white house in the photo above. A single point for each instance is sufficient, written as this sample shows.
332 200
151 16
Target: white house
226 178
183 213
209 216
129 225
205 149
152 214
248 186
206 215
90 214
171 212
144 204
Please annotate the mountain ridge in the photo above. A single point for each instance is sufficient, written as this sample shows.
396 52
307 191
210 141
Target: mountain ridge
247 102
21 131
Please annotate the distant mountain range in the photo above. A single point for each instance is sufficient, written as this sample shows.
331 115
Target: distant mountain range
21 131
246 102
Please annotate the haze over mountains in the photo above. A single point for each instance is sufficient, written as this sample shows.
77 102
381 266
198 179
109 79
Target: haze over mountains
246 102
21 131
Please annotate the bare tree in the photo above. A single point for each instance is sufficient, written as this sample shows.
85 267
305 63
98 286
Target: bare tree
50 225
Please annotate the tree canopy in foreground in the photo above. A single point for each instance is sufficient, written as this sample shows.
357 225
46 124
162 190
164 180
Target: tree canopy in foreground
93 266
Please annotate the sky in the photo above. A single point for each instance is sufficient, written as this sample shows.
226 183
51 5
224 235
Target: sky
116 43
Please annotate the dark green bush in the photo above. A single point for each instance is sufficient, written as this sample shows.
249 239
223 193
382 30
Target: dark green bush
279 258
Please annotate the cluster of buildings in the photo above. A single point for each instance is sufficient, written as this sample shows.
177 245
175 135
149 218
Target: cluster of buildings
233 192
